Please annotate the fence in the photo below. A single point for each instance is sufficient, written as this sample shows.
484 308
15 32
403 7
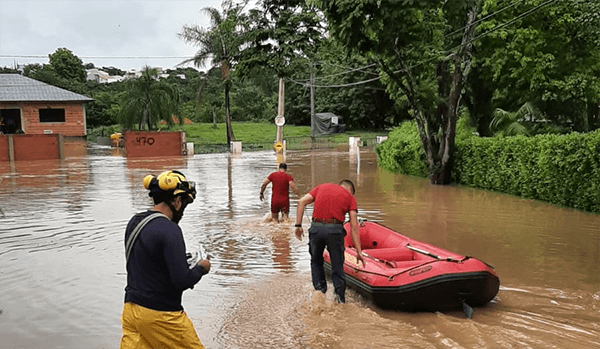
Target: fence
292 143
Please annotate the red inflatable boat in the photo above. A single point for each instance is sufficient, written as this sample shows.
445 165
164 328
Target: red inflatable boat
405 274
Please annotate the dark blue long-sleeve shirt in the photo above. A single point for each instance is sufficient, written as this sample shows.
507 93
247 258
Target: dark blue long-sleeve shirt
157 271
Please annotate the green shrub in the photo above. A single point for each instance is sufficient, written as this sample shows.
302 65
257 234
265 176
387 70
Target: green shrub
560 169
563 170
403 152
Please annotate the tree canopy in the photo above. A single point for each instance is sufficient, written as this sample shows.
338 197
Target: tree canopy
218 44
148 100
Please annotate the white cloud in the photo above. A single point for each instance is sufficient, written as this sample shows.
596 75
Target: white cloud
98 29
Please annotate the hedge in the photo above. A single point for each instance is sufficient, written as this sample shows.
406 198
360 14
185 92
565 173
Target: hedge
560 169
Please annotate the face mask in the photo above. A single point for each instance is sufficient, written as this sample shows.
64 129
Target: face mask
178 214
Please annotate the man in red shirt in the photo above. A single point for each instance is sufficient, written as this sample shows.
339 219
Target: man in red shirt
332 202
280 199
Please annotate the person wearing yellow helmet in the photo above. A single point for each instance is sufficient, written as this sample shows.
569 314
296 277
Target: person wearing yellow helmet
157 269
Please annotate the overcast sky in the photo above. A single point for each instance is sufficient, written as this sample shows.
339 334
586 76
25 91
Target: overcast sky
99 28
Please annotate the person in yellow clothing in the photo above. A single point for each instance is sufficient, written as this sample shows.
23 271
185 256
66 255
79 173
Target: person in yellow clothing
158 270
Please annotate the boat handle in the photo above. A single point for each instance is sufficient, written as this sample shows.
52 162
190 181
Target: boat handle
427 253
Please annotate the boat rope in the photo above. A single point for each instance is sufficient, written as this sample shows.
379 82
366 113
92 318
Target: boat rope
391 277
365 271
427 253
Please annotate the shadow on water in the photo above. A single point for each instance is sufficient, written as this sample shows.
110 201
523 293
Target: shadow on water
63 274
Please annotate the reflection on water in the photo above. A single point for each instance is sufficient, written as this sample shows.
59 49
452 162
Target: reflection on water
63 275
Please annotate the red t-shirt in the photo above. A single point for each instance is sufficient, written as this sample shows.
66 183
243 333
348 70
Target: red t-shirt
281 185
332 201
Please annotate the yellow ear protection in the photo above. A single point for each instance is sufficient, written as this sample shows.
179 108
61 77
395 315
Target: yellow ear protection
171 181
148 180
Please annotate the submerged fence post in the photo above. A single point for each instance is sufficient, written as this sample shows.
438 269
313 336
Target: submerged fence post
236 147
11 148
61 146
353 143
190 148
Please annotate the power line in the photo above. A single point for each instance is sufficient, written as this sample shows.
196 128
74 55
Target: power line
341 85
350 70
447 51
486 17
500 26
100 57
446 35
509 22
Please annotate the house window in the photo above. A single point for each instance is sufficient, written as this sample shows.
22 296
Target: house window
10 121
52 115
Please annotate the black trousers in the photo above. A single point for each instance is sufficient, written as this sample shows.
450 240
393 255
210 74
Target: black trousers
321 235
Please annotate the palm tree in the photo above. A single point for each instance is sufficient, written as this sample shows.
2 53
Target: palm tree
148 100
218 44
505 123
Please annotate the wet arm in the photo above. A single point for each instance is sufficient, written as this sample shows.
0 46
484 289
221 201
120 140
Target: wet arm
355 235
294 188
263 187
305 200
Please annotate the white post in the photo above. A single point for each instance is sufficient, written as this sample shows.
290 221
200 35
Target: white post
353 143
381 139
236 147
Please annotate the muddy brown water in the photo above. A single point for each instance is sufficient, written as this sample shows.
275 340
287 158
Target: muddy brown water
62 270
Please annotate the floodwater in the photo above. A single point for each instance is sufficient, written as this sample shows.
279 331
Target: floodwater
62 270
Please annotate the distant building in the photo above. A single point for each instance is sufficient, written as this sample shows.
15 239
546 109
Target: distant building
101 76
33 107
134 74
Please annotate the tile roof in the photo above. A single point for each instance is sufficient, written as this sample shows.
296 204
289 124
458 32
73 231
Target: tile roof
18 88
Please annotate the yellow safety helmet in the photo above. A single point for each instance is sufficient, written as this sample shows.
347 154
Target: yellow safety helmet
171 181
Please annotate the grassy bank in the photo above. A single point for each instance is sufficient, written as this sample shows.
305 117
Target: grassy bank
258 133
247 133
244 132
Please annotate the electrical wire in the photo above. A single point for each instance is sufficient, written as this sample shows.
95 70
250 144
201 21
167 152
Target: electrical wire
98 57
486 17
498 27
446 35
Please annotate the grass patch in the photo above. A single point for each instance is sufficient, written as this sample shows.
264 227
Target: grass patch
244 132
248 133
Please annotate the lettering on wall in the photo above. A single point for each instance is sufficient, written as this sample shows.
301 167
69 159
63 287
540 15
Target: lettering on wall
143 141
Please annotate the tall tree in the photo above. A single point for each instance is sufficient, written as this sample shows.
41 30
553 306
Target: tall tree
148 101
219 44
44 73
279 34
67 65
423 52
542 52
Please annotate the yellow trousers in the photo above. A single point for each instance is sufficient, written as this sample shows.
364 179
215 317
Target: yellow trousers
145 328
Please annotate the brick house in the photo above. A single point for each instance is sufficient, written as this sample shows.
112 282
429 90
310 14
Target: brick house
33 107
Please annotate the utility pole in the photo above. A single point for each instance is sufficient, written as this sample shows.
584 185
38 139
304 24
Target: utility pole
312 100
279 119
312 105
